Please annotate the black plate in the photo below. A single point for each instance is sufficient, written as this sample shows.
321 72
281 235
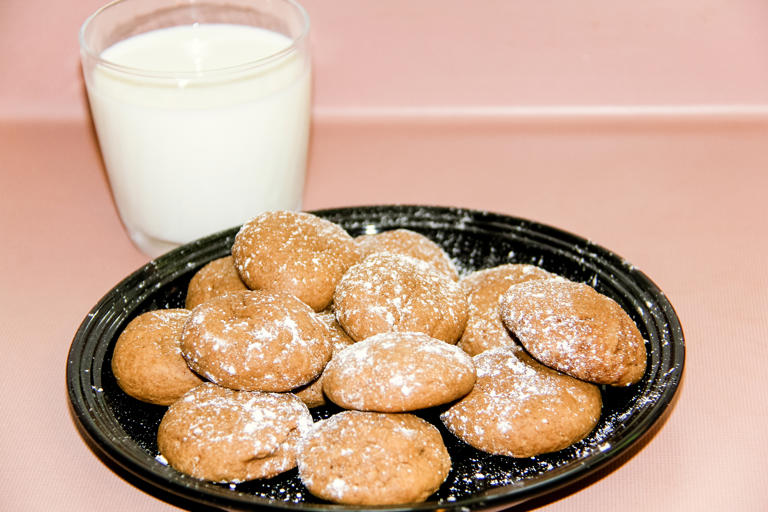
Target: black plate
122 430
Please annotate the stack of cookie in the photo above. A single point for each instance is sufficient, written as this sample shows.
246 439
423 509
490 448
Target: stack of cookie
381 325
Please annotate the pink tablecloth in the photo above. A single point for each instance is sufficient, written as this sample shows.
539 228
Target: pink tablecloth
684 203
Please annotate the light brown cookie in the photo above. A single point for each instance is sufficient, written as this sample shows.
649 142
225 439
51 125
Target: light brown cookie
571 327
222 435
394 293
484 288
365 458
521 408
398 372
147 361
256 341
408 243
216 278
312 394
294 252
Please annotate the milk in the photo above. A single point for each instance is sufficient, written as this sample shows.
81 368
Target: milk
200 151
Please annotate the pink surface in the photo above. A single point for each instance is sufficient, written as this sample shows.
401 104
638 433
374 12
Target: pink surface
642 126
456 56
684 204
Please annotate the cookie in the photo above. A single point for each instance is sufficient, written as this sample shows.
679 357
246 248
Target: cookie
256 341
366 458
408 243
147 361
217 434
312 394
394 293
571 327
216 278
521 408
398 372
484 288
294 252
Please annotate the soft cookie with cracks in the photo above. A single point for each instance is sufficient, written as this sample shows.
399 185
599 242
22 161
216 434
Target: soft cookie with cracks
294 252
368 458
394 293
147 361
398 372
214 279
484 289
256 341
572 328
408 243
521 408
222 435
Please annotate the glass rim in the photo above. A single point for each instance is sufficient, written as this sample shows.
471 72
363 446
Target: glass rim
236 68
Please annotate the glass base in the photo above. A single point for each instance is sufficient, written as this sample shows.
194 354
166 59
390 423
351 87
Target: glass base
152 247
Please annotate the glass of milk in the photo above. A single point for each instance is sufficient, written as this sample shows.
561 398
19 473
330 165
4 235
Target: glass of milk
202 111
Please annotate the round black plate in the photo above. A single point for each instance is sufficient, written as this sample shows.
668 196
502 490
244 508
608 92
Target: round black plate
122 430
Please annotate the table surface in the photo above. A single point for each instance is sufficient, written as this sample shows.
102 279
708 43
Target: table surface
643 129
683 203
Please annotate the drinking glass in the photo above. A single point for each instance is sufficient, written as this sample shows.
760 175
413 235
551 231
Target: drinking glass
202 111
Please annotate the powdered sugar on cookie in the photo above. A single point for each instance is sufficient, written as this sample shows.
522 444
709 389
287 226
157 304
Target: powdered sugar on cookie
366 458
408 243
255 340
397 372
520 408
391 292
294 252
571 327
484 289
224 435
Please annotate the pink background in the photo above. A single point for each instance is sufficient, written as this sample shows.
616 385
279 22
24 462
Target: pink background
457 57
642 126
